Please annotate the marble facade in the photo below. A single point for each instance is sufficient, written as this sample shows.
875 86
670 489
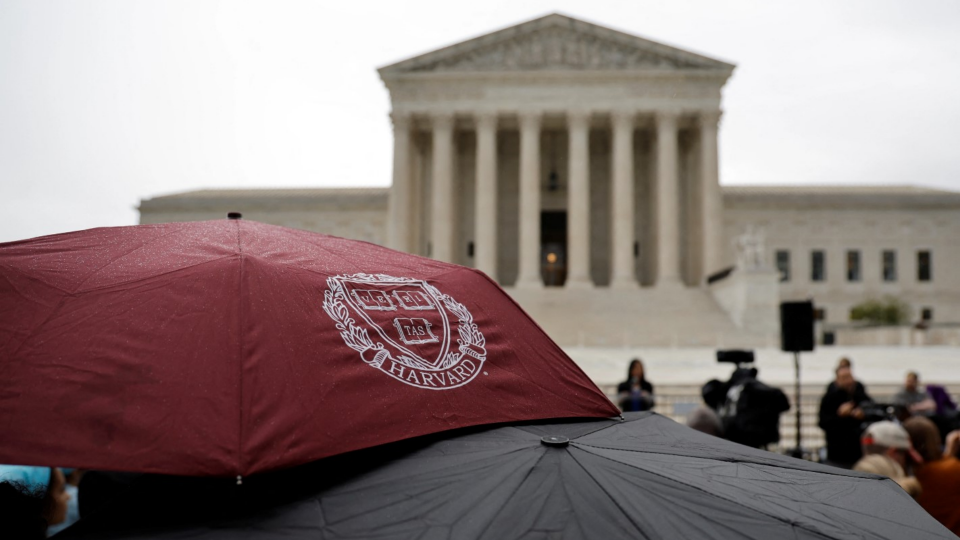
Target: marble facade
613 134
578 166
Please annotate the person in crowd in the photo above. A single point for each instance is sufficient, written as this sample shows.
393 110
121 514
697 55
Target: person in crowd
73 477
878 464
914 399
939 475
844 362
890 440
21 511
941 398
887 451
31 499
841 414
636 393
749 410
705 420
946 417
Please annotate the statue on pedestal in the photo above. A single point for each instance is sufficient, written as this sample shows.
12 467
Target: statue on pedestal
751 249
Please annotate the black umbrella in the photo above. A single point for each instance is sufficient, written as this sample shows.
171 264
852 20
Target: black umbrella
645 477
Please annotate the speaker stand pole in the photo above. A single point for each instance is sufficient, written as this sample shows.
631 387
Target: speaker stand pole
798 449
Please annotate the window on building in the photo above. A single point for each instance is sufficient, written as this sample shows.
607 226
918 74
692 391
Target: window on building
818 270
924 266
889 262
853 265
820 314
926 314
783 264
470 249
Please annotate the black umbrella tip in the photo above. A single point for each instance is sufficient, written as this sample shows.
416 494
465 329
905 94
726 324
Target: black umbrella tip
234 215
557 441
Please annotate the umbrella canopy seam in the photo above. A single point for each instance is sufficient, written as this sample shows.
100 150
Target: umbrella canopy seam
606 426
839 472
526 446
33 331
115 259
79 292
714 495
504 505
8 268
608 494
240 356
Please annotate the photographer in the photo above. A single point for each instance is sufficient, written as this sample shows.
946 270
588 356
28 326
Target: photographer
749 410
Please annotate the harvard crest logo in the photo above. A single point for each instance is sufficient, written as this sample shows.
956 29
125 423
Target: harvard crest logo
406 327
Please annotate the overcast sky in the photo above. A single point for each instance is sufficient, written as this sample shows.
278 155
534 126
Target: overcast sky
105 103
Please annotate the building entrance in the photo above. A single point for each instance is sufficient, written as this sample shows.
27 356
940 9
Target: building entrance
553 248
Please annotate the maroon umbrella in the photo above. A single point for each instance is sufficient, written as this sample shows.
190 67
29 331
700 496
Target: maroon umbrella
233 347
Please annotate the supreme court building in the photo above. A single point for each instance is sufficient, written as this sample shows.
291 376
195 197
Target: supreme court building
578 167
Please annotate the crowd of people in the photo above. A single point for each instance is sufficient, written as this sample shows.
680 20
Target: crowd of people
913 438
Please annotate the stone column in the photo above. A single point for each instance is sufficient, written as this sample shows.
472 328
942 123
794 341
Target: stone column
529 256
578 204
622 226
441 228
485 227
710 196
668 201
401 197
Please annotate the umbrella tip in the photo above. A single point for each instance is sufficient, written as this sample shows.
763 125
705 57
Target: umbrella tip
554 440
234 215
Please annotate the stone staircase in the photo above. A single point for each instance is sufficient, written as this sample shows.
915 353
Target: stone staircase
642 317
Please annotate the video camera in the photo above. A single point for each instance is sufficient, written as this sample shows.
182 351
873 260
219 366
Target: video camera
878 411
735 356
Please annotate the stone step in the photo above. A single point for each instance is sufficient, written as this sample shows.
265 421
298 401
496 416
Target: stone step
605 317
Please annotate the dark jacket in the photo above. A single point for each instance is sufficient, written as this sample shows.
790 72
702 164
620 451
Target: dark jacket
749 409
842 432
756 418
630 403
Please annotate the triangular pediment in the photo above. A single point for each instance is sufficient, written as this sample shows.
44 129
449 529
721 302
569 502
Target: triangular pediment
555 43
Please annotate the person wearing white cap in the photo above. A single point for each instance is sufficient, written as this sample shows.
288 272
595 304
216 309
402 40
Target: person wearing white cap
891 441
887 451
